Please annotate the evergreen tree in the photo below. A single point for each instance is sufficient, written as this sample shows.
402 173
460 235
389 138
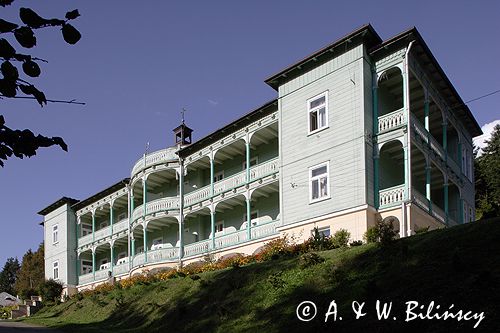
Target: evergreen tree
32 274
487 171
8 276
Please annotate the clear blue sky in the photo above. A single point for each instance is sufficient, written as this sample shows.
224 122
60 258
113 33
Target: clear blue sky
140 62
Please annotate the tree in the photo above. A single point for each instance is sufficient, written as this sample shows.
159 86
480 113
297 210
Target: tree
487 171
23 143
8 276
51 290
31 275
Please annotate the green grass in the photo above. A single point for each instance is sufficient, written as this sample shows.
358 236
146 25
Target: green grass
459 265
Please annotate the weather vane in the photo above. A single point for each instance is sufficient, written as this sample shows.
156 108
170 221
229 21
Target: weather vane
182 114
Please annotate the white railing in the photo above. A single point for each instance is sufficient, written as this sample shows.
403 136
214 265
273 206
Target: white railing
101 274
420 129
264 230
233 238
87 239
120 269
197 248
436 146
138 212
120 226
138 259
163 254
162 204
392 195
420 199
102 233
86 278
391 120
264 169
230 183
156 157
438 213
197 196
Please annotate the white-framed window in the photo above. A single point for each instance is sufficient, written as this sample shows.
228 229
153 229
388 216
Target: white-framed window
86 229
219 176
55 270
122 216
317 112
122 255
325 231
253 162
55 234
254 215
103 225
219 226
319 182
86 267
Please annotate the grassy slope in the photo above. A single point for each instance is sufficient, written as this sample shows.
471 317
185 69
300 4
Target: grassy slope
459 265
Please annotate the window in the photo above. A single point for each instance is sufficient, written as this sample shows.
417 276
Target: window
55 270
254 215
219 226
157 244
218 176
103 225
86 267
122 216
253 162
140 249
55 234
317 111
86 229
322 232
318 182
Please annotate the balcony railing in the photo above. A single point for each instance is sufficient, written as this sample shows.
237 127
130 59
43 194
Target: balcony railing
197 196
101 274
165 254
230 183
102 233
264 169
138 259
265 229
158 205
120 269
391 196
438 213
420 199
120 226
230 239
391 120
156 157
87 239
197 248
86 278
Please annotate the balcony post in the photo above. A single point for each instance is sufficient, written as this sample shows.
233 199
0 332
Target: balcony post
426 115
460 157
376 186
144 195
111 215
212 224
247 148
375 103
428 183
445 188
77 267
407 167
249 218
145 241
181 211
93 263
445 138
112 250
93 225
212 173
132 246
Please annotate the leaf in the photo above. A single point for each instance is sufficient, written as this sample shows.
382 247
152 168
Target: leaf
4 3
6 26
72 14
9 71
70 34
31 19
30 89
6 50
31 68
25 37
8 88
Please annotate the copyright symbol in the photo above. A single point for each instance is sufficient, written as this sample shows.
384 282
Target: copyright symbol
306 311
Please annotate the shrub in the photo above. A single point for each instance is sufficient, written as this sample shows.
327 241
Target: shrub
356 243
318 241
382 232
274 249
51 290
276 281
371 235
421 230
309 259
340 238
104 288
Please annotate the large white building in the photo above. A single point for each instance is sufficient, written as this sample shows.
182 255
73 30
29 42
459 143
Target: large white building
359 130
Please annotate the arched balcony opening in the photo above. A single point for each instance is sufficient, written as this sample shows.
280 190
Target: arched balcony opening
391 174
417 99
264 211
435 121
198 175
390 91
85 226
197 232
419 174
263 145
102 261
102 218
437 193
229 160
120 209
137 193
162 184
454 205
162 240
453 143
